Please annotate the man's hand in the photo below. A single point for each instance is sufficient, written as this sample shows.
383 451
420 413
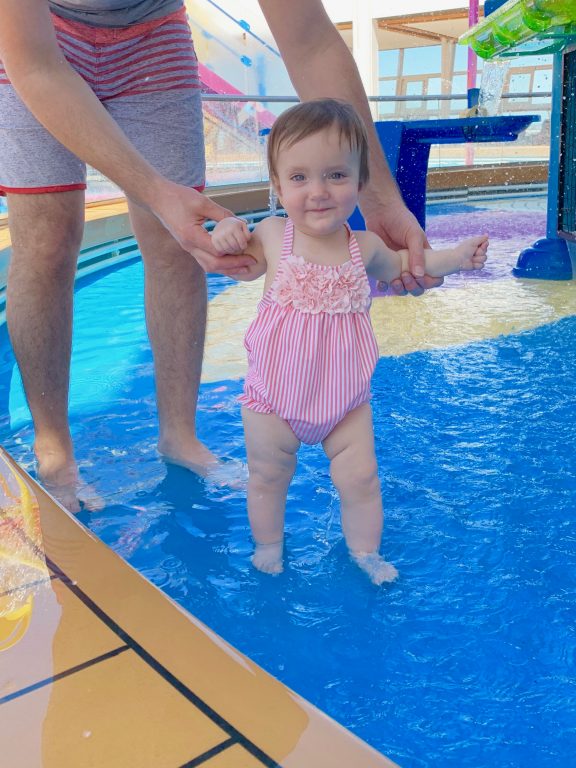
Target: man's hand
183 211
399 228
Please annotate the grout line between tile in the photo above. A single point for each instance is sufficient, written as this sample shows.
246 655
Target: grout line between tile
210 753
161 670
65 673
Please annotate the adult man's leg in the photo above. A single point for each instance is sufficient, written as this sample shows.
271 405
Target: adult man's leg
46 232
176 303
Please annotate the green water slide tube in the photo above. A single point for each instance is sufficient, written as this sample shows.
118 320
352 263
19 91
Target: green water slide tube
524 27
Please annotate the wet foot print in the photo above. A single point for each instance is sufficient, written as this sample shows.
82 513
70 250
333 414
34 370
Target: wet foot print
374 565
268 557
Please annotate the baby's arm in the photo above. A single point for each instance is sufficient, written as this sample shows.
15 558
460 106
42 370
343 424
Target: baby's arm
382 263
468 255
232 236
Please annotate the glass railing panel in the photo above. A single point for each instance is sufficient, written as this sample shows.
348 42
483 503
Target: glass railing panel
235 134
235 131
100 188
237 49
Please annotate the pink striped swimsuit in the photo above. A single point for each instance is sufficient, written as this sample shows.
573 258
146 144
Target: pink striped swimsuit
311 348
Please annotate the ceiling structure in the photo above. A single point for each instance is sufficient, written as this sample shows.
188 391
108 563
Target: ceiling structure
414 30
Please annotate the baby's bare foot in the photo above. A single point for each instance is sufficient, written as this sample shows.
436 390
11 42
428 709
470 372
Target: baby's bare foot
268 557
374 565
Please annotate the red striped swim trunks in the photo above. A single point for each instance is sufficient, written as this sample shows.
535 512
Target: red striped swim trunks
146 76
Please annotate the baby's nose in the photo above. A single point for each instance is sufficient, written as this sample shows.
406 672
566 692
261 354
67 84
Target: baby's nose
318 187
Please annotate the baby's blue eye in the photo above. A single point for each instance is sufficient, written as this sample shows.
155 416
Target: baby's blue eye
338 175
297 177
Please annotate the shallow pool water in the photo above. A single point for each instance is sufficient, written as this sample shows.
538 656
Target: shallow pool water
470 658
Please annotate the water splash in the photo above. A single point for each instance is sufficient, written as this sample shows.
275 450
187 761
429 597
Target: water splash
491 85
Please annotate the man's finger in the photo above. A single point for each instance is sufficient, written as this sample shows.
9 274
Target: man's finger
224 265
411 285
198 239
416 263
427 282
214 211
397 287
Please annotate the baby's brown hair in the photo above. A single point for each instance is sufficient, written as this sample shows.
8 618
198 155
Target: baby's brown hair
310 117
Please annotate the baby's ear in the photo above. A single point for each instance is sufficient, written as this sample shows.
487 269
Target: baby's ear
275 186
274 197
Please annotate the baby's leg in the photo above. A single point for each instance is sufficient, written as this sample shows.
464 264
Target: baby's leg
271 447
350 448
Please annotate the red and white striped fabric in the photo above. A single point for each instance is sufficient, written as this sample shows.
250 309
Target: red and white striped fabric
153 56
307 366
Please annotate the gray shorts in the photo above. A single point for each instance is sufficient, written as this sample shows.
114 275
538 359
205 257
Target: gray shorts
146 76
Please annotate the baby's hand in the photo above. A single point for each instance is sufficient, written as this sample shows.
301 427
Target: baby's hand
231 235
473 252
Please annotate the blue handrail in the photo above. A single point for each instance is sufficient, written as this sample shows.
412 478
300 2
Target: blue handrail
246 60
245 26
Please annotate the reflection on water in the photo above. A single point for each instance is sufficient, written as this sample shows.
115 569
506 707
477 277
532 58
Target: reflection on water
22 565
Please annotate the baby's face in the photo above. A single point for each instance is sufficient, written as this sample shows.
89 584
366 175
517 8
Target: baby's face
318 182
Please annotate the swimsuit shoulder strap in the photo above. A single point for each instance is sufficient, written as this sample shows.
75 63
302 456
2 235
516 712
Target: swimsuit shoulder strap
288 240
286 252
354 248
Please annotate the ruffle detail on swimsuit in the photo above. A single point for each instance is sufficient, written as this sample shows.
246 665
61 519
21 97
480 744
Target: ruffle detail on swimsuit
315 288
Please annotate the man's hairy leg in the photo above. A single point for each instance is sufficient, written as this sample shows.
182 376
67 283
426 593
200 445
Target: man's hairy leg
176 301
46 232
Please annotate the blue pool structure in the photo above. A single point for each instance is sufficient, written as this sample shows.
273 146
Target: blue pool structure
469 658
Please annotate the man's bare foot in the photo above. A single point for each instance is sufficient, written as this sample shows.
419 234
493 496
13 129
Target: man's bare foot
193 456
198 459
58 474
75 497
